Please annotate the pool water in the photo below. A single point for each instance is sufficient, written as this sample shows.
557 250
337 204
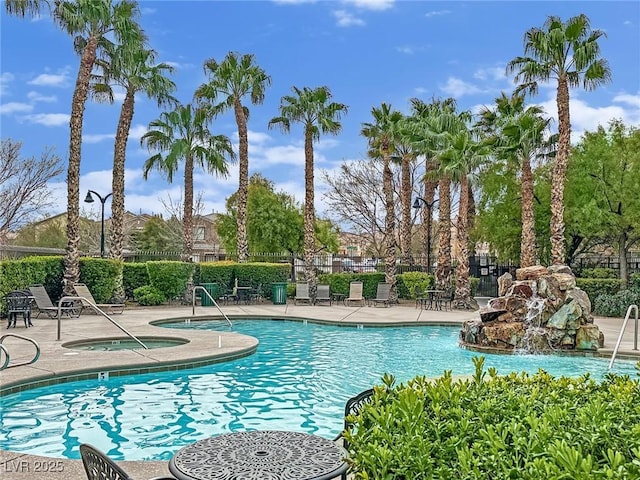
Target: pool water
124 344
299 379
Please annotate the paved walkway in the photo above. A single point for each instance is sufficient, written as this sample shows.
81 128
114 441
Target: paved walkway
56 360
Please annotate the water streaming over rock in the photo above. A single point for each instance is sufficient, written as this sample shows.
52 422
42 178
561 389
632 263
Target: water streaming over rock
541 311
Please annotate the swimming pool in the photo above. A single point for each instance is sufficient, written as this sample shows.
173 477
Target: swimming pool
299 379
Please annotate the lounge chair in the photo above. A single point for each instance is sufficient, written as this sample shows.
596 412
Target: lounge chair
355 294
302 293
100 467
382 295
353 407
45 305
323 294
87 299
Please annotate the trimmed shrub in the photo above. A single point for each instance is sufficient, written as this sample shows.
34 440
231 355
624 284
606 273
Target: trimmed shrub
253 274
222 273
635 281
411 283
518 426
339 282
616 305
599 272
19 274
148 295
100 275
598 286
170 277
134 275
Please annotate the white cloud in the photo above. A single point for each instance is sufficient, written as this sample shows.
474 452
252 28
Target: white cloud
631 100
97 137
458 88
147 11
371 4
490 73
51 80
179 65
38 97
5 79
48 119
137 131
346 19
15 107
437 13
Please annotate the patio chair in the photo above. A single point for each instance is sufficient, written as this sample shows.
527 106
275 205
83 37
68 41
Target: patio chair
382 295
355 294
18 302
445 298
323 294
83 291
100 467
302 293
353 407
45 305
256 295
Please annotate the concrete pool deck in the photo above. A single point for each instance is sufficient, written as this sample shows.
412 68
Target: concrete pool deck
57 361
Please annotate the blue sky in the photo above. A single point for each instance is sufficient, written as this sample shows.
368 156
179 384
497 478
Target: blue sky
366 51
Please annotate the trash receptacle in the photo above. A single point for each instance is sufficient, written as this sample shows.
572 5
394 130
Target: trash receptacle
279 293
212 289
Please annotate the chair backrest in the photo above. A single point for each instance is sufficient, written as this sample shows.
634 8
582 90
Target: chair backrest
41 296
100 467
353 407
323 292
83 291
18 301
355 290
302 290
383 291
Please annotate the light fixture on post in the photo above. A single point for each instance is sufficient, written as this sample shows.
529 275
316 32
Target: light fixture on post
89 199
417 203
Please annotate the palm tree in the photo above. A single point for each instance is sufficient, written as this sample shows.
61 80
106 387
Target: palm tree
383 136
313 108
518 134
183 135
233 79
570 54
131 67
91 23
23 8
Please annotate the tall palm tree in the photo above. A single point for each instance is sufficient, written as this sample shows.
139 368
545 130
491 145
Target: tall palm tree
383 135
182 135
318 114
518 134
230 81
130 66
23 8
406 154
92 23
568 53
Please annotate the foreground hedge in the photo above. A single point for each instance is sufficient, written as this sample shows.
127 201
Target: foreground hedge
526 427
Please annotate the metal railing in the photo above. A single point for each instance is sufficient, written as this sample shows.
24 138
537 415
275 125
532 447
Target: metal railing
98 311
624 326
8 357
193 301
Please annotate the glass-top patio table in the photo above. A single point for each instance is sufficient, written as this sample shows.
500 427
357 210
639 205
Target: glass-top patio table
262 454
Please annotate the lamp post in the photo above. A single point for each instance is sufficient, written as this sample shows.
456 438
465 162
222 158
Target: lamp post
417 203
89 199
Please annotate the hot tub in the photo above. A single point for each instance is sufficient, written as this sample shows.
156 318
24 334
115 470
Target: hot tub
124 343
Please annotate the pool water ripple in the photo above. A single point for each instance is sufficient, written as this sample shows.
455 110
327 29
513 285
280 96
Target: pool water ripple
299 379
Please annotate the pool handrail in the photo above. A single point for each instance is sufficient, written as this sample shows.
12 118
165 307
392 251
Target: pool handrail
8 357
624 326
193 301
98 311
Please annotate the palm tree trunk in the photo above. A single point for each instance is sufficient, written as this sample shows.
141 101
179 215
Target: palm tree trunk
405 225
463 285
117 182
72 254
389 228
443 270
528 238
471 219
309 214
187 217
243 181
560 174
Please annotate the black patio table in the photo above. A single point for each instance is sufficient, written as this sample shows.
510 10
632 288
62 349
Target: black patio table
260 455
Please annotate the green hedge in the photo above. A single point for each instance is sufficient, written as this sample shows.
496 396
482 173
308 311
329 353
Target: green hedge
519 426
253 274
19 274
339 282
597 286
134 275
222 273
598 272
170 277
616 305
100 275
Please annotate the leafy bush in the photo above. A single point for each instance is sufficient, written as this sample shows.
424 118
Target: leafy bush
134 275
148 295
410 283
635 281
101 276
599 272
170 277
519 426
616 305
253 274
597 286
339 282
